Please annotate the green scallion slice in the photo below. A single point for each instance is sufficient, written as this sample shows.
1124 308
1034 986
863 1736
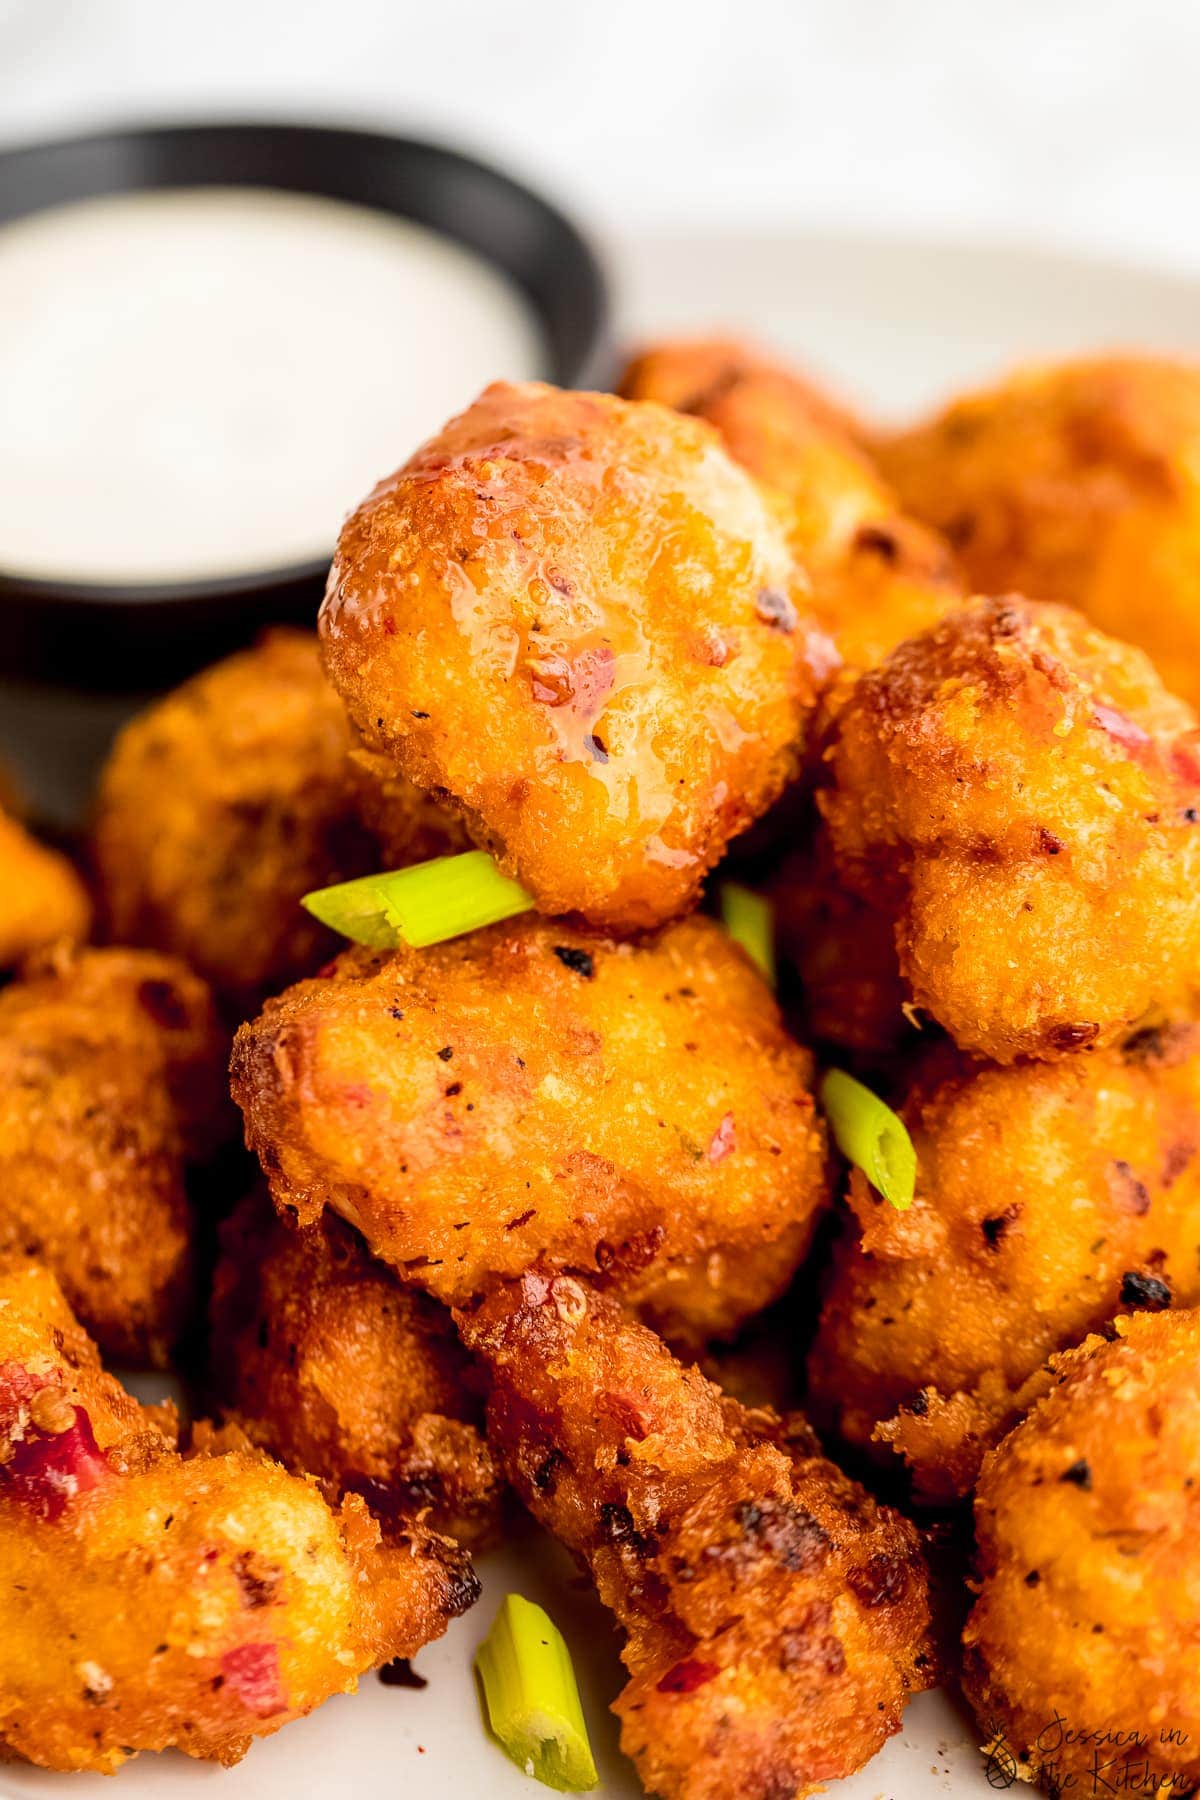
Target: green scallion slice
532 1699
421 905
749 918
871 1136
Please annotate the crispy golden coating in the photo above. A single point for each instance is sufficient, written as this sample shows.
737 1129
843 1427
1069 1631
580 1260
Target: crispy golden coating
1021 797
1077 482
575 619
1050 1196
1082 1655
41 897
776 1618
229 799
325 1360
164 1601
111 1077
877 577
530 1091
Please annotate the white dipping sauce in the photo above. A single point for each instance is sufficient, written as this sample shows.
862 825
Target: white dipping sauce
204 382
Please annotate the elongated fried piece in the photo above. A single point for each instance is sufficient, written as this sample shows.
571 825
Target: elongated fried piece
580 623
41 897
328 1362
1079 482
1080 1656
1050 1196
636 1110
775 1617
877 577
163 1601
1021 798
228 800
111 1078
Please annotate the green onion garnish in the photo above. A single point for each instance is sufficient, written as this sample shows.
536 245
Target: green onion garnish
749 919
871 1136
421 905
532 1699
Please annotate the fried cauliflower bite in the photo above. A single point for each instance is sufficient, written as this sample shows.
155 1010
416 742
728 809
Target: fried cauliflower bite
1021 798
531 1091
41 897
163 1601
1082 1654
225 802
1077 482
111 1078
1050 1196
877 577
776 1618
579 623
329 1363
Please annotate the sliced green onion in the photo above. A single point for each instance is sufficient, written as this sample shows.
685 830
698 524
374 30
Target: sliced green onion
749 918
871 1136
421 905
532 1699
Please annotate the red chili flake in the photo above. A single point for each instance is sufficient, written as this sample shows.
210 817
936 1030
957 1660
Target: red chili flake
252 1671
389 625
1120 726
724 1139
46 1470
583 680
687 1676
1185 759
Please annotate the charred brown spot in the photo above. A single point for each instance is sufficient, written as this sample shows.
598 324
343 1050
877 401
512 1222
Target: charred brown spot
993 1229
786 1532
580 962
1126 1190
881 1581
1144 1291
400 1673
617 1527
521 1219
1144 1046
1079 1475
1176 1161
878 541
1072 1036
1047 843
258 1581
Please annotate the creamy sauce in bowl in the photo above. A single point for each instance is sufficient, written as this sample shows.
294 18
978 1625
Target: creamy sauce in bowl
201 382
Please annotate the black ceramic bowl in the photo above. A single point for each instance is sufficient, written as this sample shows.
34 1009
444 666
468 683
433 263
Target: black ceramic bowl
145 636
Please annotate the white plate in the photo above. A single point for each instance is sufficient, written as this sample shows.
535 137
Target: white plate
896 325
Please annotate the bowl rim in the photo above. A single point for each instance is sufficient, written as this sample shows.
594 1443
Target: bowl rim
176 135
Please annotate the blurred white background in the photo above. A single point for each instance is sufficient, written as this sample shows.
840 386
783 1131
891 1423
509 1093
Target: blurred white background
1072 122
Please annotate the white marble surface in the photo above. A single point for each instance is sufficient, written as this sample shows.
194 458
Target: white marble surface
1064 121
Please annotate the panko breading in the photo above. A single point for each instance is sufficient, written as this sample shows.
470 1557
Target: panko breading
195 1603
1021 798
877 577
41 897
1077 482
228 800
577 621
1082 1654
1050 1196
325 1360
776 1618
111 1078
531 1091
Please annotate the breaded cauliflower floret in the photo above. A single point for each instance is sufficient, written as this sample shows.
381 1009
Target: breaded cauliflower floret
1020 796
1082 1654
112 1077
1078 482
531 1091
1050 1196
877 577
775 1618
163 1601
327 1361
229 799
41 897
577 621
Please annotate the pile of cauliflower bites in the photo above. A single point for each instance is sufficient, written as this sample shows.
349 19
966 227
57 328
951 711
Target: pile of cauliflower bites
513 1192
